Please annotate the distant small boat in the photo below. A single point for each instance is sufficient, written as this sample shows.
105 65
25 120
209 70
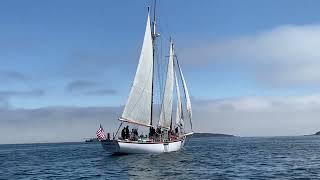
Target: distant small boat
139 112
91 140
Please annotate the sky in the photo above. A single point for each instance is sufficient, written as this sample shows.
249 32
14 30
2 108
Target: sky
67 66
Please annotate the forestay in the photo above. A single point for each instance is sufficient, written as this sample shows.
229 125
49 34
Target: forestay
138 106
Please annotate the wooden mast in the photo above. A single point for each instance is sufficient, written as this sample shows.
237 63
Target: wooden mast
154 36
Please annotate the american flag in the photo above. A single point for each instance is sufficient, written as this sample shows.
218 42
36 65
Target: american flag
100 133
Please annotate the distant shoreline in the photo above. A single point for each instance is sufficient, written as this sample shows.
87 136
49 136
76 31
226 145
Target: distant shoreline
201 135
195 135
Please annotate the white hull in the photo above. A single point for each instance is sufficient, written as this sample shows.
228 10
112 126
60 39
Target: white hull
132 147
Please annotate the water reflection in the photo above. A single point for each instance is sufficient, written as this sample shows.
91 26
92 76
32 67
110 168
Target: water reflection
146 166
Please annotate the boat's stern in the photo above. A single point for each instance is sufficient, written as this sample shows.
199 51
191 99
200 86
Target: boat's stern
110 145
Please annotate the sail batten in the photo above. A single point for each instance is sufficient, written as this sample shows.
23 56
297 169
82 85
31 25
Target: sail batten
138 106
166 109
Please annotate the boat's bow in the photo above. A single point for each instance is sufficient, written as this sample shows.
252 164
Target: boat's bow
110 145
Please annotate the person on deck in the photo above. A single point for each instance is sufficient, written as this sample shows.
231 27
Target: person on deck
158 133
134 134
123 133
171 134
127 132
150 132
108 136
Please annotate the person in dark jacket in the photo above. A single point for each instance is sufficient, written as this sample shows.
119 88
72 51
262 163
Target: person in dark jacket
152 132
127 132
177 131
123 133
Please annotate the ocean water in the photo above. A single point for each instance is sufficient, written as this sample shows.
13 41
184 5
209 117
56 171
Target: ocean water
202 158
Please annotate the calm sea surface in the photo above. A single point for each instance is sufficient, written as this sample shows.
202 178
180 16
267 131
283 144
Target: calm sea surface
202 158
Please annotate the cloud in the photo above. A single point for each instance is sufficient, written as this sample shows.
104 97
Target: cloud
55 124
89 88
6 95
259 116
101 92
79 85
13 76
243 116
4 104
31 93
284 56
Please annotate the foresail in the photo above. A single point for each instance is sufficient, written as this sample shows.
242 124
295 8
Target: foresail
138 106
166 109
186 92
179 119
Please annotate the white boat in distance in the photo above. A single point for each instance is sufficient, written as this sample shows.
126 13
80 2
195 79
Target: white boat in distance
166 135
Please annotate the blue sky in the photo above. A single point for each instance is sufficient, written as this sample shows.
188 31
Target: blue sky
46 40
84 53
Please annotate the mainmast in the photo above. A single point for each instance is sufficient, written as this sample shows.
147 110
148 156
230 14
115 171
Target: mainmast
154 37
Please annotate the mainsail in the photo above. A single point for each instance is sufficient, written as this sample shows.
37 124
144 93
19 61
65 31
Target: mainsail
166 109
186 92
138 107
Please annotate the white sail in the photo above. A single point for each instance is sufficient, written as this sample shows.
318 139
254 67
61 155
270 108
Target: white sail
138 107
186 92
166 109
179 119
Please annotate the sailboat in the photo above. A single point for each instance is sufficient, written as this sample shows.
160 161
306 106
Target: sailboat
166 135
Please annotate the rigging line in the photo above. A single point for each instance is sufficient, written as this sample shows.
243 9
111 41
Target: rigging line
161 63
154 10
158 66
179 80
184 90
162 75
170 101
178 100
117 131
165 83
159 81
160 78
159 70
